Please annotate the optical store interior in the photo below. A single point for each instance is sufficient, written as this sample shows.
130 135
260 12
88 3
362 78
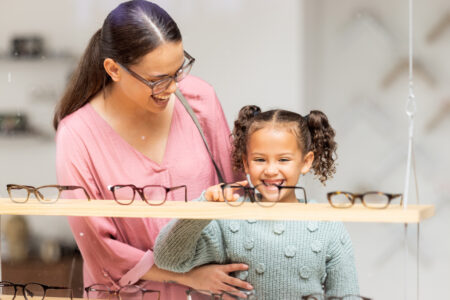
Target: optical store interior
379 70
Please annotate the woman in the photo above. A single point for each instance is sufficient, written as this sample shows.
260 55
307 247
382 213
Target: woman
120 123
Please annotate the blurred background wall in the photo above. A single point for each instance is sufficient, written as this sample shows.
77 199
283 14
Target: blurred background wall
338 56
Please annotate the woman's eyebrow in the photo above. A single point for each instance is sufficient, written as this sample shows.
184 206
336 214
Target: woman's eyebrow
166 75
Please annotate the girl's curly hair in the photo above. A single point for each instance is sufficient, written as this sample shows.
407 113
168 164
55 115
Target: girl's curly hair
313 133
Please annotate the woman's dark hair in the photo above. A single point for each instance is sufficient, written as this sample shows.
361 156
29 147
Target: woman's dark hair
129 32
313 132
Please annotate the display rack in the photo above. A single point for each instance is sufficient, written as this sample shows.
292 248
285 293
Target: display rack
217 210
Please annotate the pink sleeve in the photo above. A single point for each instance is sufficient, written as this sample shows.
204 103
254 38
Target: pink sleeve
106 259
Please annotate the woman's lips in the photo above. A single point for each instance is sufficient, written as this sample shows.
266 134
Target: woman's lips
160 101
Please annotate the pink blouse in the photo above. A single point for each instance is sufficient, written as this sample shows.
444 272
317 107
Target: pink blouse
119 251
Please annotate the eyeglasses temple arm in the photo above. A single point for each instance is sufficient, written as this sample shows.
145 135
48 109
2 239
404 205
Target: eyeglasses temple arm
179 187
74 187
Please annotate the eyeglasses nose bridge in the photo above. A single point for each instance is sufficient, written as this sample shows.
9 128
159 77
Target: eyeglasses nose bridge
140 192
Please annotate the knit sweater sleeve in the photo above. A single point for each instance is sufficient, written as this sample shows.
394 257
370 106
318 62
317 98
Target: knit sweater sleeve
341 277
184 244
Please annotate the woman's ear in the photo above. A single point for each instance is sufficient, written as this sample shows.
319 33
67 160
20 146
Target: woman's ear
307 162
112 68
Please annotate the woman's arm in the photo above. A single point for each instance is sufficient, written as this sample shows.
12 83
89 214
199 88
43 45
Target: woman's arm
185 246
108 260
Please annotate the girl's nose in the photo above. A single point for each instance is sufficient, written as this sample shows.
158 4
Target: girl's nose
271 170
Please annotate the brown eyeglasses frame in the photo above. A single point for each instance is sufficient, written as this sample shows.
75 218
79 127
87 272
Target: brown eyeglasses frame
35 190
16 287
116 292
314 297
152 84
140 192
361 198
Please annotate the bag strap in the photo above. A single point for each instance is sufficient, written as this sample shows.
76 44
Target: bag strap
194 118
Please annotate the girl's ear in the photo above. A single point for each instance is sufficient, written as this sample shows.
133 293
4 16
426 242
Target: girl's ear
112 68
307 162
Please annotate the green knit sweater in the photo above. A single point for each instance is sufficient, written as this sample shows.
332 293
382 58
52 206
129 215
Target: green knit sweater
286 259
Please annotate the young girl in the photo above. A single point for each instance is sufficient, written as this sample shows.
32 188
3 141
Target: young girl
286 259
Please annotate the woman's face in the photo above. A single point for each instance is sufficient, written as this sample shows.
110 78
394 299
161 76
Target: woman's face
163 61
274 158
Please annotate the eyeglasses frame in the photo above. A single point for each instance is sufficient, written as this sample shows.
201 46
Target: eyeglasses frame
361 198
152 84
116 292
215 296
250 193
35 190
140 191
23 286
322 297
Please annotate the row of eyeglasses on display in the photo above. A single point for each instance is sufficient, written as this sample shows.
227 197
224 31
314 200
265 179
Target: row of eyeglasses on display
265 195
38 291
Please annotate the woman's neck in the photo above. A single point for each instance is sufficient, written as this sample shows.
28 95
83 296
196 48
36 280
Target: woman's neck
121 112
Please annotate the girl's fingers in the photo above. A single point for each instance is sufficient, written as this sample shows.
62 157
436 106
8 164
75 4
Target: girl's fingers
243 182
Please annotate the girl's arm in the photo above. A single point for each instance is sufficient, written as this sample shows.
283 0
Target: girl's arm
342 277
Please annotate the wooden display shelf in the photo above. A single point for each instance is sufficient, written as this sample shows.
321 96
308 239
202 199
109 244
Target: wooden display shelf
215 210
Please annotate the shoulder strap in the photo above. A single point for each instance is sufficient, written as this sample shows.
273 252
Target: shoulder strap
194 118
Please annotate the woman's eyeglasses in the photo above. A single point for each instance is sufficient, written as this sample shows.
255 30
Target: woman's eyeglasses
127 292
34 291
322 297
44 194
265 195
161 85
201 294
150 194
377 200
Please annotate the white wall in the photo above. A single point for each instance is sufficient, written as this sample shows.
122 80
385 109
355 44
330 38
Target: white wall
249 51
275 53
351 46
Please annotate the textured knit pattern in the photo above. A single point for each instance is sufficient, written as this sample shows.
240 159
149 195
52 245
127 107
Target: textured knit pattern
89 153
287 259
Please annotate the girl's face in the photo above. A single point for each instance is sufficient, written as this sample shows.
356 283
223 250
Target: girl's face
163 61
274 157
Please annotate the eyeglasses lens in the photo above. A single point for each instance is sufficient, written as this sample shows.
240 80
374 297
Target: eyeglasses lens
341 200
154 194
163 84
48 194
124 194
300 195
130 292
18 194
376 200
7 289
233 194
34 291
267 194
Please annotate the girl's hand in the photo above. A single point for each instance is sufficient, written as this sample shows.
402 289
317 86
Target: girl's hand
215 192
216 278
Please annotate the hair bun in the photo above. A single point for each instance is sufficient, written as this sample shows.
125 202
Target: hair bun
248 112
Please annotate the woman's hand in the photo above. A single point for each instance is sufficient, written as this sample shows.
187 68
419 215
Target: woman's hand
216 278
215 192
